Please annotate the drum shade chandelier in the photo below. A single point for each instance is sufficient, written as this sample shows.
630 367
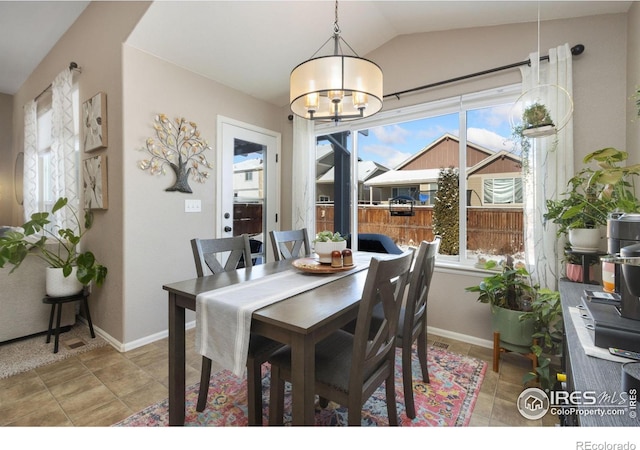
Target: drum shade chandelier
336 87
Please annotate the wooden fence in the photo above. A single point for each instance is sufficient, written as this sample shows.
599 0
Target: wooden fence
491 230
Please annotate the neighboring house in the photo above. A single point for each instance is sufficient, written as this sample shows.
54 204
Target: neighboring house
493 178
248 180
366 170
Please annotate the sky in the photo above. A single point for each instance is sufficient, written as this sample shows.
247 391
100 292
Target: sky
390 145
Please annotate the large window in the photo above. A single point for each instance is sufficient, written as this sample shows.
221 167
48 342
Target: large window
409 149
45 191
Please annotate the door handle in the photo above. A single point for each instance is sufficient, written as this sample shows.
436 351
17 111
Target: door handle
227 229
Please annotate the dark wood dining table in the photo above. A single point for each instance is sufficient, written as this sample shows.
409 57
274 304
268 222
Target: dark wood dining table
299 321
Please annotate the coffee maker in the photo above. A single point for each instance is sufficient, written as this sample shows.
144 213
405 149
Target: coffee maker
617 323
623 242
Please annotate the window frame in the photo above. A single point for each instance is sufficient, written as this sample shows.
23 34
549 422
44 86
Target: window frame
459 104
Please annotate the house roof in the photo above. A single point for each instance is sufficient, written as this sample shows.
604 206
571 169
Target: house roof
445 136
399 177
366 170
490 159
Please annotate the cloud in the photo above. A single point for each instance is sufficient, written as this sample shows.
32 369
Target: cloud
383 154
392 134
489 139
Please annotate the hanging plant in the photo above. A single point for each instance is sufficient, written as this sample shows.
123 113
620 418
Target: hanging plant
180 147
536 121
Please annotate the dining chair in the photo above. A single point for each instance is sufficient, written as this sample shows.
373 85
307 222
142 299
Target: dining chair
206 252
350 367
412 321
289 244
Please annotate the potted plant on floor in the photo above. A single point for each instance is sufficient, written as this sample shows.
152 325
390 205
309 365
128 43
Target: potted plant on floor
510 294
59 247
546 312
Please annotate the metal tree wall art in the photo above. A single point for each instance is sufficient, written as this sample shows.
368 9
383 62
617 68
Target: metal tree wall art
179 146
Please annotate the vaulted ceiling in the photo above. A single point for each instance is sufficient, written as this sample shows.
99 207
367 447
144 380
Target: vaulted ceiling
253 45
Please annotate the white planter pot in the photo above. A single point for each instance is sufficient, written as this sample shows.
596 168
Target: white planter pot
585 239
324 249
57 285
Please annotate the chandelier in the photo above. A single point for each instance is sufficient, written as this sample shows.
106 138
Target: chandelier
336 87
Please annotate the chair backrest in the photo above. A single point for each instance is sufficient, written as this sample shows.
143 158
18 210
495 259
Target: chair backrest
385 285
289 244
419 283
207 252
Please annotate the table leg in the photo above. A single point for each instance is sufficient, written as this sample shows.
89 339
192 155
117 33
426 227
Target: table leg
303 380
176 362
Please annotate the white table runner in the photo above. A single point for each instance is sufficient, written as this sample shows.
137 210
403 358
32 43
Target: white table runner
223 316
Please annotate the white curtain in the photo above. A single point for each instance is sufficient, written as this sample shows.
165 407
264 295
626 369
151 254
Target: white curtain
30 171
303 175
64 163
550 161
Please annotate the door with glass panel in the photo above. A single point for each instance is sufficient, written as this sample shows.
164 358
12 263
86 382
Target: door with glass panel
247 200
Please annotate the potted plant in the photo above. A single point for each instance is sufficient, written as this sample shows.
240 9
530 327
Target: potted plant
536 121
326 242
58 247
509 293
546 312
592 195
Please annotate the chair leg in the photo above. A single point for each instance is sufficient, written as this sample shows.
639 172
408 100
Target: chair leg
205 374
392 411
254 392
276 397
422 356
407 381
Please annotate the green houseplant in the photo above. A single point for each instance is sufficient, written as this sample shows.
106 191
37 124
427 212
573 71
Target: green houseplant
326 242
546 312
593 193
58 247
509 293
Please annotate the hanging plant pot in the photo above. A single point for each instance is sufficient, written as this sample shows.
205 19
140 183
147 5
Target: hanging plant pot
543 130
57 285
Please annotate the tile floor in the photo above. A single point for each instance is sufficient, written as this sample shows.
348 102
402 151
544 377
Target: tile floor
102 387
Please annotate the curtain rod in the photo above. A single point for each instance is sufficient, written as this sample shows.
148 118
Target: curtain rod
72 66
575 51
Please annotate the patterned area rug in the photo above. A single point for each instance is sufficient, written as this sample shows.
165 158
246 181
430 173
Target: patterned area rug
448 400
27 354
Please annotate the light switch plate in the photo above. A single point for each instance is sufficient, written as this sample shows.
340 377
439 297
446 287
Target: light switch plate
192 206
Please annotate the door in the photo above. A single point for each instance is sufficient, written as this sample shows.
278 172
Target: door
248 198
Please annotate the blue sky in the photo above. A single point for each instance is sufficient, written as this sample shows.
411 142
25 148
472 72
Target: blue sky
390 145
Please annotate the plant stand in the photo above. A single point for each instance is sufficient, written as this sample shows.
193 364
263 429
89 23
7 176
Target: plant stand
498 349
58 302
587 258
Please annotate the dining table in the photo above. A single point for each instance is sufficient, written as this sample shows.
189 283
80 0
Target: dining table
300 321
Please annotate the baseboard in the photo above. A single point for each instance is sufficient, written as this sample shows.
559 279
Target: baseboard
460 337
134 344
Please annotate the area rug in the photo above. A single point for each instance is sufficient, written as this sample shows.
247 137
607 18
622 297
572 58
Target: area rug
28 354
448 399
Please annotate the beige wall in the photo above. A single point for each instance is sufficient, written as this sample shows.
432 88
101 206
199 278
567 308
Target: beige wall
633 82
94 41
143 236
7 159
157 231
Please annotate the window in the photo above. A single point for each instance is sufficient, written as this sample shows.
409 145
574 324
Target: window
248 176
46 193
470 133
502 191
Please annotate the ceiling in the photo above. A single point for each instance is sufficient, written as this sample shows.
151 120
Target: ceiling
253 45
